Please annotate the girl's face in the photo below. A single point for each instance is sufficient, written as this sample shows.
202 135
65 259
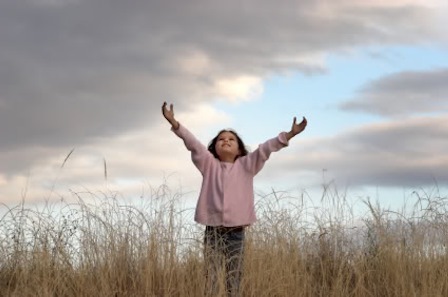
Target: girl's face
227 147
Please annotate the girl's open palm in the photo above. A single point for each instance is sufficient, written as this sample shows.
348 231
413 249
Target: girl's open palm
298 128
169 115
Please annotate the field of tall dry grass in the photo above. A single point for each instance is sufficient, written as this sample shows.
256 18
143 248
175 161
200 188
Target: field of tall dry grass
103 245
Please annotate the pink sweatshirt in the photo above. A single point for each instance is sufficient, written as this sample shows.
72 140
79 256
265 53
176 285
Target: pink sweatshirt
227 192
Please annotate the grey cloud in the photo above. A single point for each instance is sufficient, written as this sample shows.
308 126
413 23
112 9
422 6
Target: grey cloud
75 70
403 93
407 153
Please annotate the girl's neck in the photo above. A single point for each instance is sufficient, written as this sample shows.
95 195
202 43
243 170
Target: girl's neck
227 159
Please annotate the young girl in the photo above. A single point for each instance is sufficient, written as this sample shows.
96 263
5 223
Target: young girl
226 200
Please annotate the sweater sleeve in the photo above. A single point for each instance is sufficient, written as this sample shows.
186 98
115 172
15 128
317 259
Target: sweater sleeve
200 156
255 160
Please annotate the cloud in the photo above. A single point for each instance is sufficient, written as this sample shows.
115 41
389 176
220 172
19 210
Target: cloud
411 152
403 93
75 73
127 163
240 88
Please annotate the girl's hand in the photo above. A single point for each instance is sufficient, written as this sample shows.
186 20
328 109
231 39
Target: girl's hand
296 128
169 115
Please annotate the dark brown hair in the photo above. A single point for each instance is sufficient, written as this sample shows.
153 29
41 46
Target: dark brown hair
241 146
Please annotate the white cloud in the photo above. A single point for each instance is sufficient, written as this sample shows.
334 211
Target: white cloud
242 88
409 152
403 93
398 3
92 74
126 163
195 63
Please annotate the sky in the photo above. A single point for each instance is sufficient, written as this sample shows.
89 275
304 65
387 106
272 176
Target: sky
82 83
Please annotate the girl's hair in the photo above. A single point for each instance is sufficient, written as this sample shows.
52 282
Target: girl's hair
241 146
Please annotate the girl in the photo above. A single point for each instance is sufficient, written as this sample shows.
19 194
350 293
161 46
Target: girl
226 200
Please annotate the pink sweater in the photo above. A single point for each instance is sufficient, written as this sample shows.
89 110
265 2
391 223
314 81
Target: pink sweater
227 192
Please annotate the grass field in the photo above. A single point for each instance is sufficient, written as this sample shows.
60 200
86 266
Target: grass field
101 245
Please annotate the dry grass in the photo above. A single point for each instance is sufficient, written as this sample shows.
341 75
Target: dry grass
107 247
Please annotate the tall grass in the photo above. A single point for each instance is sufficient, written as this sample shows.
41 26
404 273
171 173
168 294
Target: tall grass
102 245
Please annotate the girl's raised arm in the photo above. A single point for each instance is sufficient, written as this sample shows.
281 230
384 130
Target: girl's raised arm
169 115
200 156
